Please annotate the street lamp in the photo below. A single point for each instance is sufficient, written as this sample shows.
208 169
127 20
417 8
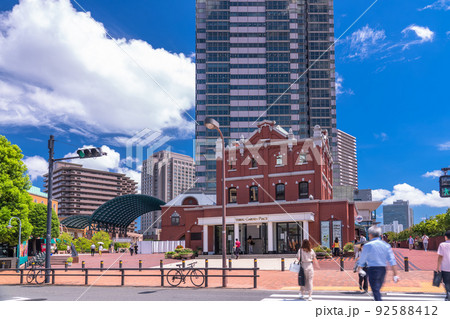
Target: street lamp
20 237
212 124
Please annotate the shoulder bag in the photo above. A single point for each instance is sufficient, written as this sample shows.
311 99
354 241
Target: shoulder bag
437 278
301 272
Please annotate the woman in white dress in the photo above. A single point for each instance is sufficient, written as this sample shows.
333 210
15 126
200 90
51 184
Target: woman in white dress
307 257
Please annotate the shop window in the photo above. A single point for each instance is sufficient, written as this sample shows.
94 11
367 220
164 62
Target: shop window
232 195
175 219
196 236
279 192
303 190
254 163
253 193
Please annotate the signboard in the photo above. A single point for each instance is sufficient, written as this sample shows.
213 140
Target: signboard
359 218
325 234
444 186
251 219
337 231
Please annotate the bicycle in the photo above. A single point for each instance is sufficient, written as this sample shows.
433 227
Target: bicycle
37 275
176 276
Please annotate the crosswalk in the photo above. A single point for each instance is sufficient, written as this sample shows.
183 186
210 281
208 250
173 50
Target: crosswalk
343 296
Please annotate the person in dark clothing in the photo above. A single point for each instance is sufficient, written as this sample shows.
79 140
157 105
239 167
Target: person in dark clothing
336 247
131 250
363 283
136 249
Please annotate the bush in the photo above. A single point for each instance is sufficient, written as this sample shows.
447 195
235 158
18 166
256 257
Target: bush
70 259
179 250
82 244
186 251
179 247
169 254
176 256
64 240
348 247
103 237
117 246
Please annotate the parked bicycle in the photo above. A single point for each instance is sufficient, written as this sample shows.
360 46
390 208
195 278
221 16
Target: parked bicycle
37 275
176 276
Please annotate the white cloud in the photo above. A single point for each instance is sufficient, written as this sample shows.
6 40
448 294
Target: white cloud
415 196
433 174
444 146
382 136
438 5
58 67
37 166
424 33
365 41
340 86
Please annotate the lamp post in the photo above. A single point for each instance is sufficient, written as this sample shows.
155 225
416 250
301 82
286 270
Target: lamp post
212 124
20 237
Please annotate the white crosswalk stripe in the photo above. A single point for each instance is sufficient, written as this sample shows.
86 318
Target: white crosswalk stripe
17 299
356 297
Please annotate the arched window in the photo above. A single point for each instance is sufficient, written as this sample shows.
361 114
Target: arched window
303 190
232 195
253 193
175 219
254 163
279 192
190 201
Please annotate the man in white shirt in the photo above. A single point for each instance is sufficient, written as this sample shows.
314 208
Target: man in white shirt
425 242
443 264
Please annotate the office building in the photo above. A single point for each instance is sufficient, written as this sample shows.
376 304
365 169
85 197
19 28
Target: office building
345 165
262 60
362 195
398 211
165 175
394 227
80 190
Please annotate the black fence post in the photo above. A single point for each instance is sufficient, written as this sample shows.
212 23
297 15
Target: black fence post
183 263
120 264
229 263
206 273
282 264
162 272
101 265
342 263
123 277
140 265
53 276
255 273
21 276
83 264
86 277
406 264
66 265
33 264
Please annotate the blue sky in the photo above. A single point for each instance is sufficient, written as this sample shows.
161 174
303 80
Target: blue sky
59 75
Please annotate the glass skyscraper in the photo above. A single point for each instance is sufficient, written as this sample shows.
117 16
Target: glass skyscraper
262 59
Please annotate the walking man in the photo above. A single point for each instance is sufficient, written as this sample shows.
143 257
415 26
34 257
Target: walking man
375 255
444 263
425 241
92 249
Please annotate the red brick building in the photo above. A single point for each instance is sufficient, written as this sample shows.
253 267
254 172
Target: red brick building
279 191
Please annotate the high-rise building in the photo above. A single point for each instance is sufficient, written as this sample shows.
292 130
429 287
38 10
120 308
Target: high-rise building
345 165
364 195
262 59
165 175
80 190
398 211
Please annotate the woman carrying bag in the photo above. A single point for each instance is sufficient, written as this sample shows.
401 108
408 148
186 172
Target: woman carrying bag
306 256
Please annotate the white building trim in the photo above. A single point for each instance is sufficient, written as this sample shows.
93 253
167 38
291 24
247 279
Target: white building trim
257 219
240 178
291 173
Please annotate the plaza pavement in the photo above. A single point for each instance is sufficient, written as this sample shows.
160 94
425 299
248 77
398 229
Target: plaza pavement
327 278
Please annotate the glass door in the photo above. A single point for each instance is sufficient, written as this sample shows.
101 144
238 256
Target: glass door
218 239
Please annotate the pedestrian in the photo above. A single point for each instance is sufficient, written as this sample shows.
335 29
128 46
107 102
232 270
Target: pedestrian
375 255
100 249
411 242
425 239
444 263
92 249
237 248
336 247
363 284
356 248
131 250
306 256
135 248
250 243
362 239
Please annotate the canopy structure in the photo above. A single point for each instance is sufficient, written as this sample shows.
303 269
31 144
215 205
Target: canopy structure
116 214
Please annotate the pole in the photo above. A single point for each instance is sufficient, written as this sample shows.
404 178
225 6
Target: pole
48 242
224 214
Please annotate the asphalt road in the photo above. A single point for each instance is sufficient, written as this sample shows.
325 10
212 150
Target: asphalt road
73 293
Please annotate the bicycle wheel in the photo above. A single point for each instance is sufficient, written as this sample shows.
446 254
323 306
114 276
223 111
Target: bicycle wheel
40 277
174 277
30 276
197 277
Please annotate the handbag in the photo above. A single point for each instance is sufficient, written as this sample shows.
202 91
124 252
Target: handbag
301 273
437 278
294 267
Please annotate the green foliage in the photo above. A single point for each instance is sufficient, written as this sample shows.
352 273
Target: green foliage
117 246
82 244
65 239
38 218
70 259
103 237
321 249
391 236
178 250
348 247
14 198
169 254
433 226
179 247
186 251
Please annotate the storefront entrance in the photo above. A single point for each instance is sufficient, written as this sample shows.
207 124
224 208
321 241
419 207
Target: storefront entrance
289 237
258 233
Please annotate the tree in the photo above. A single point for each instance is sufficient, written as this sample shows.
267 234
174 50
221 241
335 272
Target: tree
82 244
14 198
65 239
38 218
103 237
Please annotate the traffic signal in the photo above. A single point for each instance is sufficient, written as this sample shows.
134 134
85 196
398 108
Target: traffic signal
90 152
444 186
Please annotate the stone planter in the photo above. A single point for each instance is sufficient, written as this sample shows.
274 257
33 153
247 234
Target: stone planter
186 255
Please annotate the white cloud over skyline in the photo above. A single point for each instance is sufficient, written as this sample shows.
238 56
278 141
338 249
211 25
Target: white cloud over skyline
438 5
58 67
37 166
365 41
433 174
423 33
444 146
